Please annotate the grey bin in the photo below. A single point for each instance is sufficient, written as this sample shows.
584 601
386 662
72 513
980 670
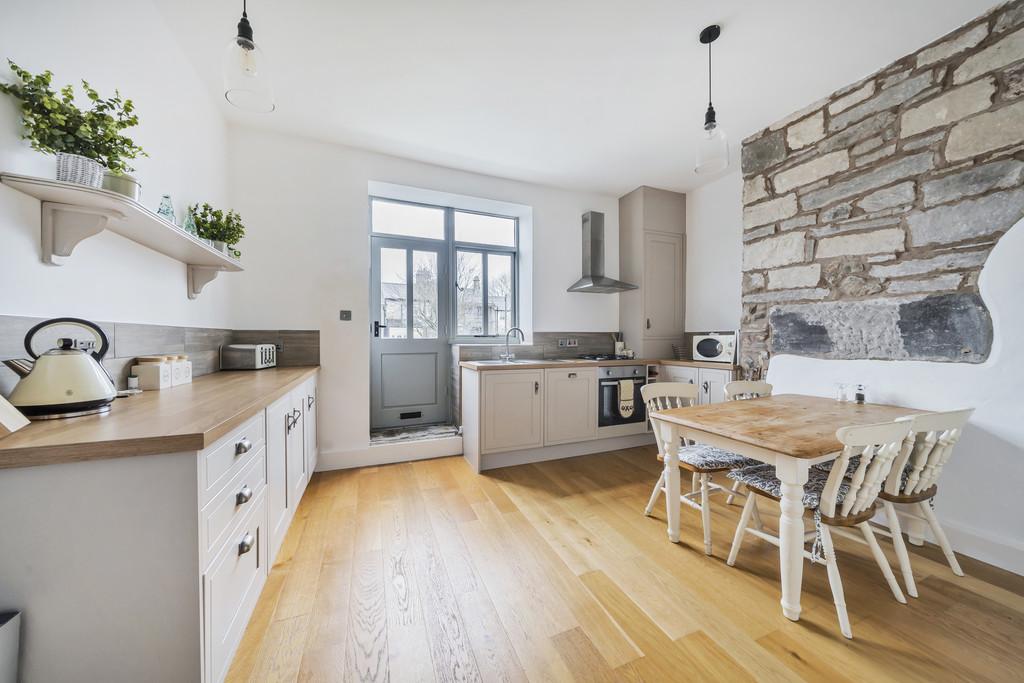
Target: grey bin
10 626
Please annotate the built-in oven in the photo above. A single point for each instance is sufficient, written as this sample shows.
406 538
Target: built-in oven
610 388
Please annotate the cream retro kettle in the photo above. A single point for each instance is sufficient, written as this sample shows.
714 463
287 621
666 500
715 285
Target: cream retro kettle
65 381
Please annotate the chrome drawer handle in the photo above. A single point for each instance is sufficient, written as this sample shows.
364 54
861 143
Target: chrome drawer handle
243 496
572 375
310 401
243 446
245 545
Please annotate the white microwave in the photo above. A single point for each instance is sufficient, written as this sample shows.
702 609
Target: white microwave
715 347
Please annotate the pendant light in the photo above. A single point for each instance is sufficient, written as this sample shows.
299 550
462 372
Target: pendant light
712 146
246 79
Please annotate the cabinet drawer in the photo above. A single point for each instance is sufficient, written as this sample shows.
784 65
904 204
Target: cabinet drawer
676 373
231 587
224 459
230 504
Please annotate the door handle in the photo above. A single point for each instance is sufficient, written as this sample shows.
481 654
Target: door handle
310 401
704 387
648 323
377 327
572 375
536 387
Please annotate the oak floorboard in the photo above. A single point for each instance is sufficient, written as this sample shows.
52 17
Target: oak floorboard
427 571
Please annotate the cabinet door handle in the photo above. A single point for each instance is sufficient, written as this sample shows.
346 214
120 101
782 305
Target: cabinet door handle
705 387
297 413
310 401
572 375
648 323
246 544
536 387
243 446
243 496
289 422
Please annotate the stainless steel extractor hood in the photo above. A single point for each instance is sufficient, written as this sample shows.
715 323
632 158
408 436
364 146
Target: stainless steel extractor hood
594 280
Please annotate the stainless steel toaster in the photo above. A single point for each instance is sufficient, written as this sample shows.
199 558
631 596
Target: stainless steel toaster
247 356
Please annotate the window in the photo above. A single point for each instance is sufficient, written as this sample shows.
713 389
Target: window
481 282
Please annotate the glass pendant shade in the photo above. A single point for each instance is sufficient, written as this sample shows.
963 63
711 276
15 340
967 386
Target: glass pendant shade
246 78
712 150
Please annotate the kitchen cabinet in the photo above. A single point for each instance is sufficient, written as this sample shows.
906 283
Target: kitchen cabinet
678 373
712 384
295 449
309 432
291 455
512 410
570 405
652 229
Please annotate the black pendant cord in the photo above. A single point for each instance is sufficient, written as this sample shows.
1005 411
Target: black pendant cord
709 74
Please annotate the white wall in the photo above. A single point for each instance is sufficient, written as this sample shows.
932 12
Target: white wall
107 277
714 252
307 256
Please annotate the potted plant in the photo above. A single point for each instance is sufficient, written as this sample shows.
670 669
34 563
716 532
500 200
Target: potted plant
86 141
223 229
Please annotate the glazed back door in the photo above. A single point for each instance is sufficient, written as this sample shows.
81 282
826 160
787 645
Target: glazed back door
409 352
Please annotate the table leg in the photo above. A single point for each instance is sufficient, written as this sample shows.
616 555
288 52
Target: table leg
792 472
672 484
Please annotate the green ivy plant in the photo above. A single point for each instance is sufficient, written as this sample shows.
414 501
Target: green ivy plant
217 225
53 123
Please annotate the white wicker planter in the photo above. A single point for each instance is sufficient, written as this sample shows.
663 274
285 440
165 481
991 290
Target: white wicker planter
74 168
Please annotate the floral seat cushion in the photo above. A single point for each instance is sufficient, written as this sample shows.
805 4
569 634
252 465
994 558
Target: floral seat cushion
851 466
703 457
762 477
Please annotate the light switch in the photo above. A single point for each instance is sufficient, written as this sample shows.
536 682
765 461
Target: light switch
346 315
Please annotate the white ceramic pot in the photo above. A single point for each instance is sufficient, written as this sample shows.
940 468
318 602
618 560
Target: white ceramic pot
122 184
74 168
220 246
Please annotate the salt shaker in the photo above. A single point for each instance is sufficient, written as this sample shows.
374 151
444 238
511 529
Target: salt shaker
842 394
859 394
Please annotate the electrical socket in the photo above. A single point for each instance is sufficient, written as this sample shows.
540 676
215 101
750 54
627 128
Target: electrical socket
562 343
572 343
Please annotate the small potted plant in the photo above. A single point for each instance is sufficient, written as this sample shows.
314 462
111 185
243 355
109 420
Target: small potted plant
223 229
86 141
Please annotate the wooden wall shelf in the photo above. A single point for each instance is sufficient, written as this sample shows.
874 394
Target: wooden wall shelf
72 213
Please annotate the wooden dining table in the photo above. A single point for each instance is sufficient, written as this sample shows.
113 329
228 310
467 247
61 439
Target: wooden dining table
789 431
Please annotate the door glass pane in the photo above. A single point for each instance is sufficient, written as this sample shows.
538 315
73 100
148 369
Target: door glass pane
499 293
410 220
480 229
469 293
424 295
393 281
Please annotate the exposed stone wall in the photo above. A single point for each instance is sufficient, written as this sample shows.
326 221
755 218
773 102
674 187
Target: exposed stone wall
868 215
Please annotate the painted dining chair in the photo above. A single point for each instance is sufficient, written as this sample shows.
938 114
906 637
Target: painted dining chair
838 502
913 483
740 390
700 460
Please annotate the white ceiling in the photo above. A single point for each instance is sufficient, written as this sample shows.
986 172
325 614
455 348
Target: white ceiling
600 95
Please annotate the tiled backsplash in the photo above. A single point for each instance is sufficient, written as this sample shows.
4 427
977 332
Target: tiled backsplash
130 340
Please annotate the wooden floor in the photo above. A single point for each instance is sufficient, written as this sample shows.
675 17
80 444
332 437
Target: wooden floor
424 571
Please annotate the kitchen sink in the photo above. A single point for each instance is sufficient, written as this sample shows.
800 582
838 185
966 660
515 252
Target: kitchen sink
519 361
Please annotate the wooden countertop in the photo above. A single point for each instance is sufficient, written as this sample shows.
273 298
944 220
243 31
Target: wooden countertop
792 424
542 363
183 418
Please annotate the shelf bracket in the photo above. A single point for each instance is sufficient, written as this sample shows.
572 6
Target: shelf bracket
63 226
199 277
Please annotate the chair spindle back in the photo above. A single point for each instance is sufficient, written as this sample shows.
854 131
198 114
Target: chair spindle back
665 396
877 447
928 449
743 389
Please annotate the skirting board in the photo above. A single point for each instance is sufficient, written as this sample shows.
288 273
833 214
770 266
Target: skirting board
1005 553
568 450
388 453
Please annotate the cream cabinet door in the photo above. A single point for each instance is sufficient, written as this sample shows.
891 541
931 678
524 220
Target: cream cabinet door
712 383
570 405
512 408
298 474
278 418
678 373
663 285
309 428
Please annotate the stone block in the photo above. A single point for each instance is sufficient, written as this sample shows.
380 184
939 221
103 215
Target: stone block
874 242
811 171
884 99
879 124
774 251
854 97
758 233
806 131
968 219
769 211
795 276
838 329
897 195
754 189
948 107
950 327
763 153
853 225
881 153
884 174
951 47
839 212
798 222
1007 51
753 282
922 142
975 180
867 145
941 283
805 294
986 132
793 333
1014 80
956 260
1011 18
